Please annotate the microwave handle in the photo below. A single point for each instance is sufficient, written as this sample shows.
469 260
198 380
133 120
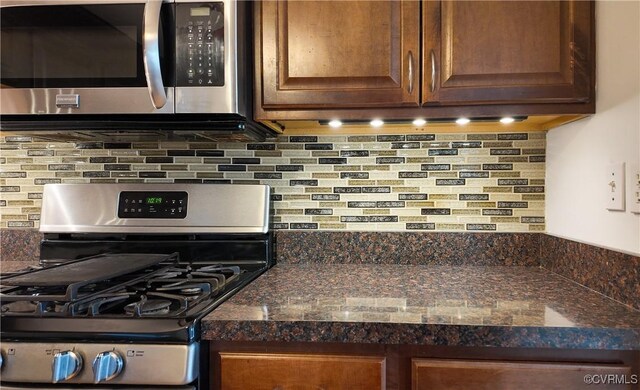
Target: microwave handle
151 53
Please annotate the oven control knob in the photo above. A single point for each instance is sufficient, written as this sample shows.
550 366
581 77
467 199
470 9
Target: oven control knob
66 365
106 366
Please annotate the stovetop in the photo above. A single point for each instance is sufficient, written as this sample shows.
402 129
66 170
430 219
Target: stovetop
160 303
165 289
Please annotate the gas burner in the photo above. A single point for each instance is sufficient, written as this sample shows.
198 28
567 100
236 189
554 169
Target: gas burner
191 291
218 268
185 287
148 307
38 307
19 307
170 274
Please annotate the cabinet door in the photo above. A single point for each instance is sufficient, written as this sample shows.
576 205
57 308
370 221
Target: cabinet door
479 52
338 54
433 374
245 371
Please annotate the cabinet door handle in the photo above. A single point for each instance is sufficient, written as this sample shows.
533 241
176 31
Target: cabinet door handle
410 89
432 87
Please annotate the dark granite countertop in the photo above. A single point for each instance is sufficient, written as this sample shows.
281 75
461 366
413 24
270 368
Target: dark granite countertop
425 305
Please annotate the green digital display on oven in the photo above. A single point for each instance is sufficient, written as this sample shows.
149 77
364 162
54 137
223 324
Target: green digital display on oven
154 200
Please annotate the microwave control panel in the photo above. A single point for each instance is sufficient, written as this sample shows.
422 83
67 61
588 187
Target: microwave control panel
146 204
200 44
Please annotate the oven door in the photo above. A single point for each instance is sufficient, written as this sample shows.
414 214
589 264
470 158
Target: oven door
94 387
86 57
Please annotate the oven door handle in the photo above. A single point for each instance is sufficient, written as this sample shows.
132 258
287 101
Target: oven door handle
151 53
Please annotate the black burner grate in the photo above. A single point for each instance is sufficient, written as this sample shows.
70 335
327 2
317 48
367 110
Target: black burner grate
165 289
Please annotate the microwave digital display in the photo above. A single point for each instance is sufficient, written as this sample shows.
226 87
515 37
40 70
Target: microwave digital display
201 11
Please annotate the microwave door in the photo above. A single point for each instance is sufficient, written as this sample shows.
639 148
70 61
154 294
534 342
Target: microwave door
86 57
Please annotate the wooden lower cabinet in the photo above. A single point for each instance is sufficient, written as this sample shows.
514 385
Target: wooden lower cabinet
245 371
336 366
437 374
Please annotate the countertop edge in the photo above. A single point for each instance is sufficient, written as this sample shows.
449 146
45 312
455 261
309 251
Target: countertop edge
423 334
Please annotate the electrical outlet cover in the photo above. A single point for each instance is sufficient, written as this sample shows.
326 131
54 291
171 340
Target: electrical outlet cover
634 202
615 187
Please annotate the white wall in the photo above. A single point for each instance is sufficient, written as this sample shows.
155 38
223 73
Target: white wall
578 153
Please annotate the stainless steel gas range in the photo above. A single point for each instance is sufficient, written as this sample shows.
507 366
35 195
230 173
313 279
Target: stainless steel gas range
128 271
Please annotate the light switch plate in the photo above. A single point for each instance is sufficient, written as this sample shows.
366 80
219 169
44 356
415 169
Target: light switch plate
615 187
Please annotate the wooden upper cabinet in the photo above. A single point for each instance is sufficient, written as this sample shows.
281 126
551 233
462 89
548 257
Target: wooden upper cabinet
337 54
483 52
434 59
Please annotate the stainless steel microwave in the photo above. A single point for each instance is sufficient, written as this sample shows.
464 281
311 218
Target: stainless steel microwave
83 63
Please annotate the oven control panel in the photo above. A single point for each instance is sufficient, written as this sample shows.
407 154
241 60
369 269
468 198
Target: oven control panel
73 363
152 204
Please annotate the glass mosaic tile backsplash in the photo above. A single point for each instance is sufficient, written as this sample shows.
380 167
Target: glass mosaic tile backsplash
420 182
